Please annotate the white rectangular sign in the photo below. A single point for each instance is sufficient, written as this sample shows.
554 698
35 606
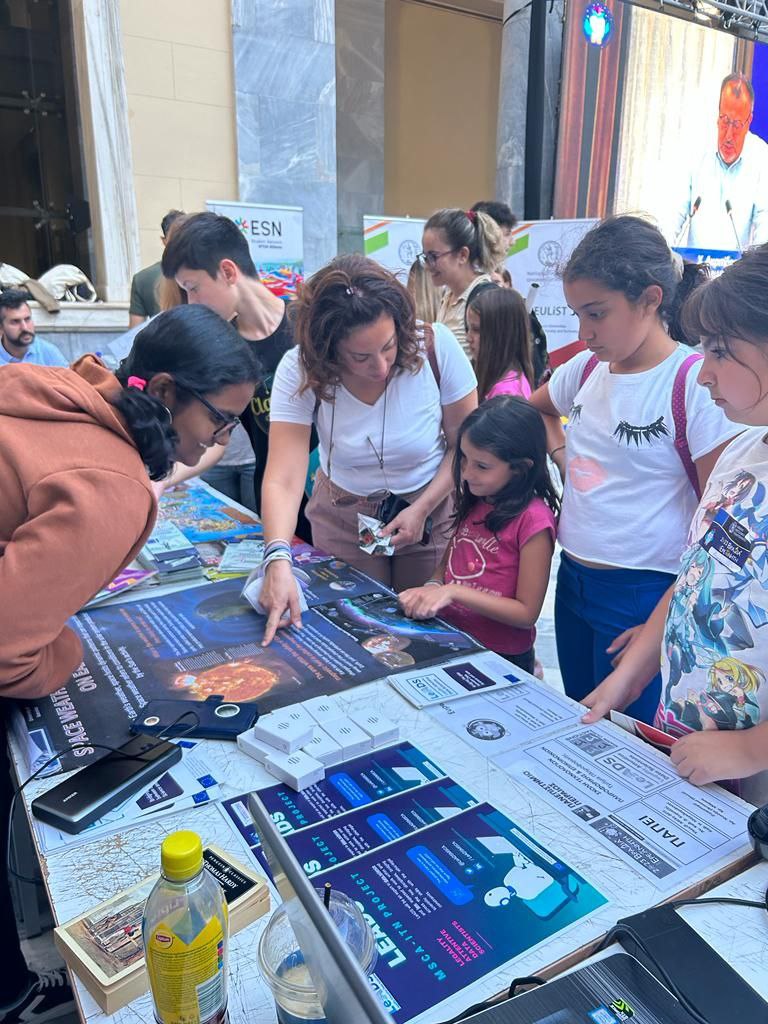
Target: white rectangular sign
395 242
539 251
275 236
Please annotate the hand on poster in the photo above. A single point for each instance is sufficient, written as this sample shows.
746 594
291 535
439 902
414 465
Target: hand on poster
708 756
372 538
616 692
280 598
426 602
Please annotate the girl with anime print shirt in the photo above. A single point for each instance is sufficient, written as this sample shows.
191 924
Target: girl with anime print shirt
718 701
728 702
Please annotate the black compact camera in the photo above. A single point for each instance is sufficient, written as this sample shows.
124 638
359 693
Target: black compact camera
392 506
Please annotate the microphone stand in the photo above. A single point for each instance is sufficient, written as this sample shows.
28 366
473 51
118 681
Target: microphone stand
729 211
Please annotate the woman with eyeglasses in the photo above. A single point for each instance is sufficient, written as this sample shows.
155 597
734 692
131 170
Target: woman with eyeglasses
387 409
462 248
78 448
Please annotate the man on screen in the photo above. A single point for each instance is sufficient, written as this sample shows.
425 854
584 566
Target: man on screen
730 182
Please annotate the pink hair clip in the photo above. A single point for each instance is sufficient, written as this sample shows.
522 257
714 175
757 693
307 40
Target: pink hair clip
137 382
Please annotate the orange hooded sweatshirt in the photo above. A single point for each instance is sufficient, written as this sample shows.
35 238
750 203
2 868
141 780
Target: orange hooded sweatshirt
76 506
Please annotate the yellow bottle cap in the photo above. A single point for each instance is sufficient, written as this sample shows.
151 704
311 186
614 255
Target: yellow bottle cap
181 855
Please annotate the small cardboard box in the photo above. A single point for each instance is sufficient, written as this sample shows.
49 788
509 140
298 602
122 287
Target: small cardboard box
104 946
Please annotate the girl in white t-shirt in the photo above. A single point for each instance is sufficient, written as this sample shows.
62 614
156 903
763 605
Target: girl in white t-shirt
712 627
641 441
387 411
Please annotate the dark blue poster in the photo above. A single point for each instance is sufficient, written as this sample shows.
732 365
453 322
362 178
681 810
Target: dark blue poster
327 845
357 783
207 640
456 901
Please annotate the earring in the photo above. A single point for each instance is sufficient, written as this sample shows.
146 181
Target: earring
170 414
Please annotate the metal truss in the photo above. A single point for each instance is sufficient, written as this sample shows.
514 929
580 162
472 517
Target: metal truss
745 18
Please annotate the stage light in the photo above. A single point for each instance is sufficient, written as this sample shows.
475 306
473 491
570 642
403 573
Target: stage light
598 24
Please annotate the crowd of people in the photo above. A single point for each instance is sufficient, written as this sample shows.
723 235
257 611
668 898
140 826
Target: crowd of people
421 405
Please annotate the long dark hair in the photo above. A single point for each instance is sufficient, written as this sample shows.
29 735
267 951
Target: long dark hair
513 430
203 354
628 254
505 337
349 292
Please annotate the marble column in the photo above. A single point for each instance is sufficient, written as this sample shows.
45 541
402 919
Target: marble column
359 116
513 92
103 100
285 99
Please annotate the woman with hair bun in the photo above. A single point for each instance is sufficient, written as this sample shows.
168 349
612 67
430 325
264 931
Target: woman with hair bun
461 250
387 408
78 448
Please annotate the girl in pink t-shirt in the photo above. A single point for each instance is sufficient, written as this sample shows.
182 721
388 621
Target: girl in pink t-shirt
494 574
499 340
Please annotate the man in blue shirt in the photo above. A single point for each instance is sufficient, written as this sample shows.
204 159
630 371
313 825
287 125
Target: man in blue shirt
17 334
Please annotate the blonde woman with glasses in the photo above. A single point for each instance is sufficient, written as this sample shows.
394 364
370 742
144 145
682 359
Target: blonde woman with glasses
461 250
387 408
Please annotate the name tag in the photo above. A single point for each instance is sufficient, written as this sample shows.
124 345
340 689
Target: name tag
728 541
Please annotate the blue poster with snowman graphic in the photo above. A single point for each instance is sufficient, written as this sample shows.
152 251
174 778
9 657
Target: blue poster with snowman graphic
456 901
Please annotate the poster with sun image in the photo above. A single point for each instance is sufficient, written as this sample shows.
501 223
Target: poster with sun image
206 640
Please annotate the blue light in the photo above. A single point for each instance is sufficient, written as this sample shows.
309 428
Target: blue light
598 24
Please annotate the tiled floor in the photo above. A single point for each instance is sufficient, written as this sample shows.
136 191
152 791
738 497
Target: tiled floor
41 952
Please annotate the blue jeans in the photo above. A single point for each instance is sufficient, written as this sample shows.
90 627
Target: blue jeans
592 607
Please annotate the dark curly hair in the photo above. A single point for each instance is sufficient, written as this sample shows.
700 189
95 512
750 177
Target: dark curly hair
628 254
203 354
513 430
349 292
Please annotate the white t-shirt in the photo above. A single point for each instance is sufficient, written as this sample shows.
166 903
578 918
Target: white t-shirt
715 650
413 435
627 499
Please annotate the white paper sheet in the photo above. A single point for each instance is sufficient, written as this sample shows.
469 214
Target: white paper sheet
633 801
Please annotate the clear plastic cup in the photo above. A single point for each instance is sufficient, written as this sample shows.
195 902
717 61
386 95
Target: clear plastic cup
282 962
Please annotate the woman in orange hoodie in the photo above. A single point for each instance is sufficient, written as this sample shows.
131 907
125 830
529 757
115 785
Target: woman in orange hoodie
78 448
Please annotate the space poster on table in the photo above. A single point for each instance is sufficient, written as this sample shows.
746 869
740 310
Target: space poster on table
456 901
206 640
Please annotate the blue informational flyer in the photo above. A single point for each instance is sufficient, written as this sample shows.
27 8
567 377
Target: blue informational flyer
357 783
331 843
457 900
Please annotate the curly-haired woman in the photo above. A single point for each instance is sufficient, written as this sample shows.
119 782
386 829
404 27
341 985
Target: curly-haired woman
387 411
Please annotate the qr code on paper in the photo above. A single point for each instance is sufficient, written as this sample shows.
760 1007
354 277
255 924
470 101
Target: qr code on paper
591 742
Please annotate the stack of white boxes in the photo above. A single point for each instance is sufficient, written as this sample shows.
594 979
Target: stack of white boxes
296 744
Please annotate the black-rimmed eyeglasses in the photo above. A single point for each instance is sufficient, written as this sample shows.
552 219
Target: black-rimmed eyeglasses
228 420
430 259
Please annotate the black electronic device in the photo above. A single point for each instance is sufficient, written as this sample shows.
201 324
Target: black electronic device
89 794
698 973
392 506
211 719
616 988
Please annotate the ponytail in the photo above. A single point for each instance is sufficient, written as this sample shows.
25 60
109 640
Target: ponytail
149 424
201 353
476 231
694 274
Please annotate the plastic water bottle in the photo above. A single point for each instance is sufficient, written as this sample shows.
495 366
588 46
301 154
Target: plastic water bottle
185 932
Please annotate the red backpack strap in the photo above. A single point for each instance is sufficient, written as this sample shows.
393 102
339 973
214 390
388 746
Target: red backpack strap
680 417
589 369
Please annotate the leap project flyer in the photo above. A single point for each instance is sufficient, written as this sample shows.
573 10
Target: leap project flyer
456 901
